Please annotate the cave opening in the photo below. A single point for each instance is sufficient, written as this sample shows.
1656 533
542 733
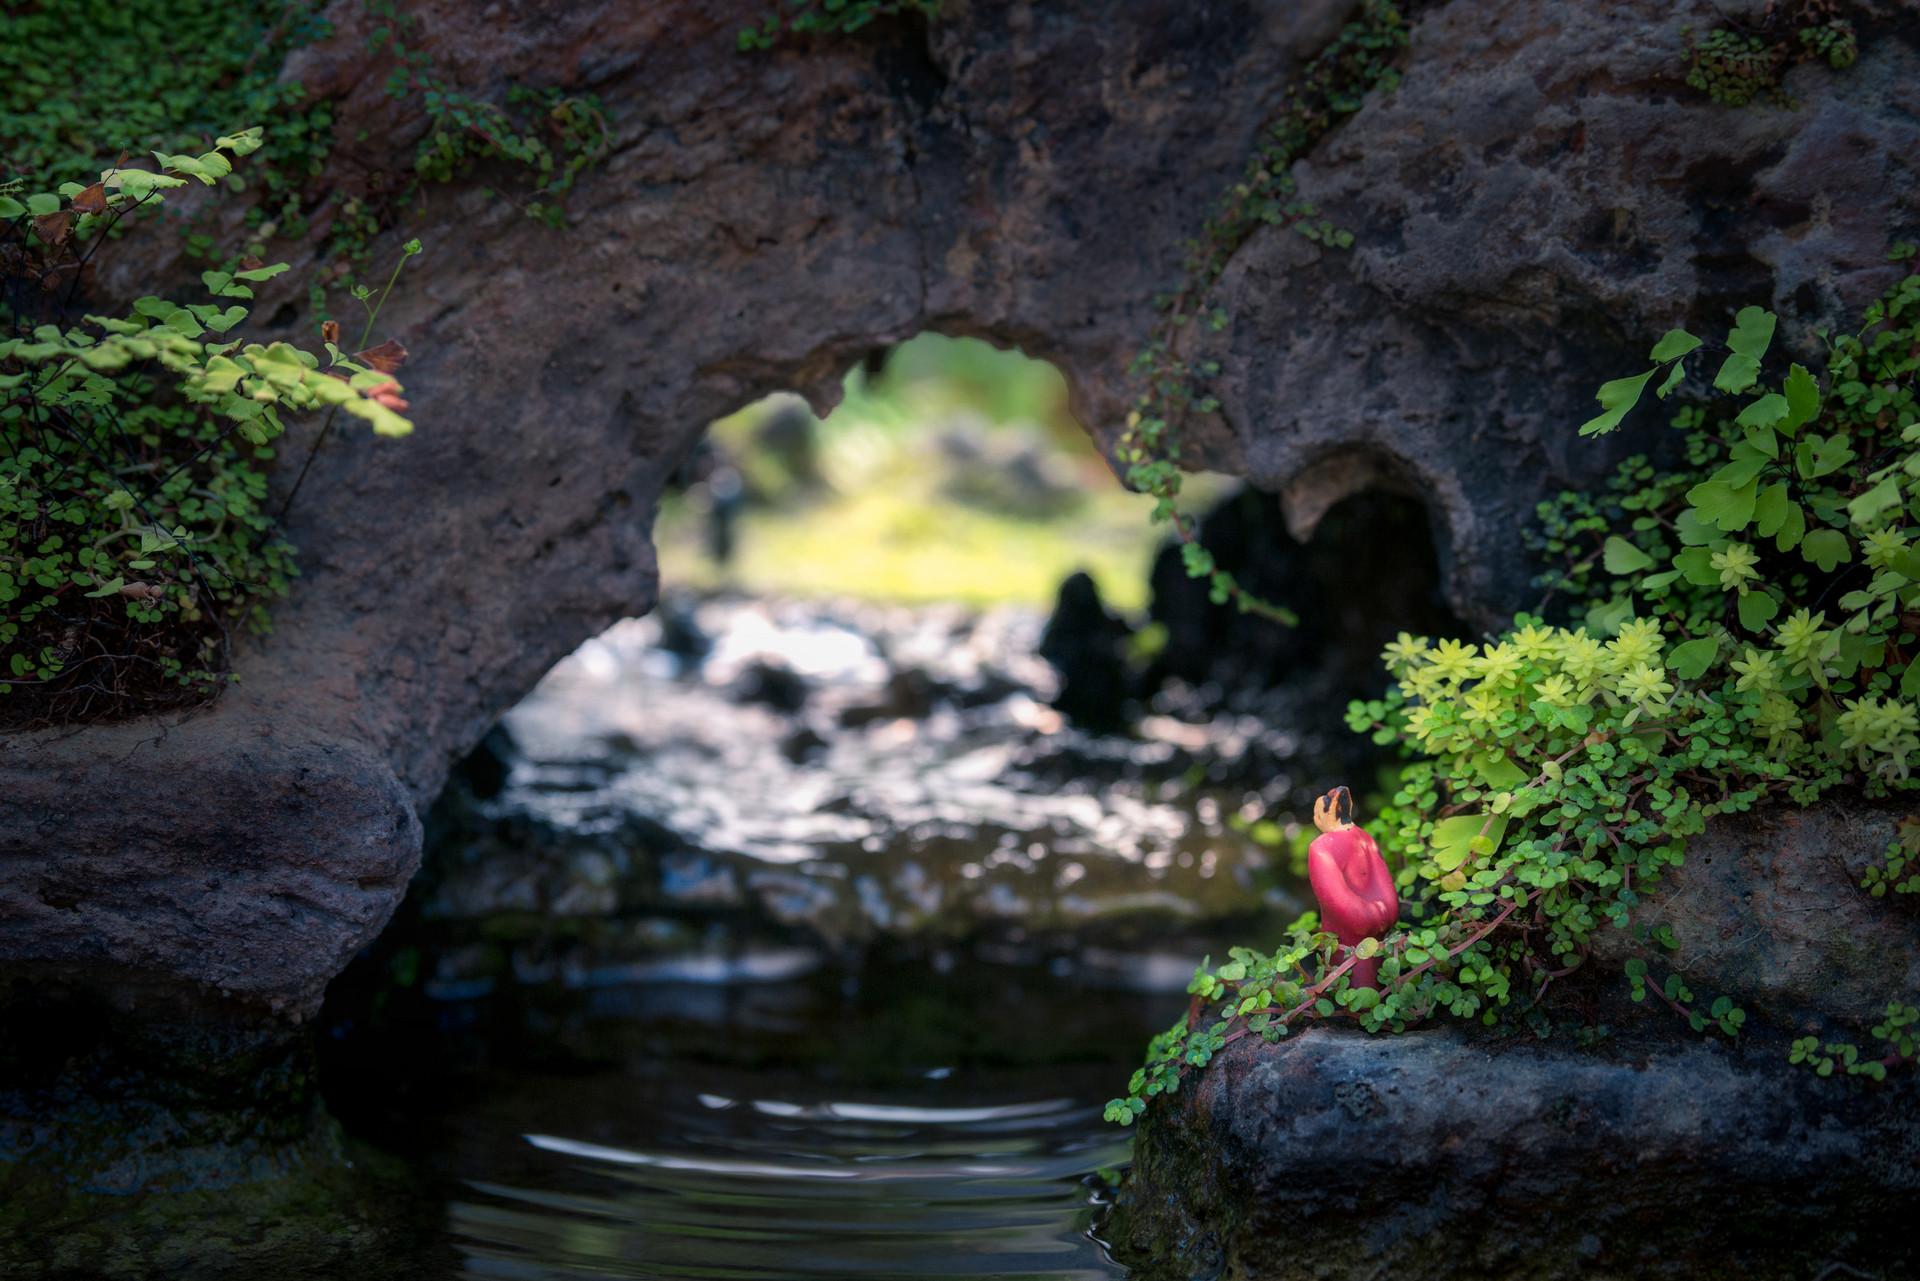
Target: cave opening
919 795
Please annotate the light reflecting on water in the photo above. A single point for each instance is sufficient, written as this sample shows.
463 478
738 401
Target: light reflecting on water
676 1177
803 940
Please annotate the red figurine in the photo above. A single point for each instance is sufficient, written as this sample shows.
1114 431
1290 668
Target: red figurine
1351 881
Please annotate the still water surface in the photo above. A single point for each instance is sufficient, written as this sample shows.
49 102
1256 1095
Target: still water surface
889 1125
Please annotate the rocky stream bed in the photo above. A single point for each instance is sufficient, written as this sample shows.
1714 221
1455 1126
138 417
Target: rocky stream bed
750 898
844 853
757 786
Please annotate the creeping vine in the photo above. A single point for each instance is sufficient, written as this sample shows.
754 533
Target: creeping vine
1741 63
84 80
553 135
1332 86
1741 628
826 18
133 535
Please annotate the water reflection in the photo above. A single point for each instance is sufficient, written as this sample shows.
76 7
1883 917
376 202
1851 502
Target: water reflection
946 1178
837 775
805 940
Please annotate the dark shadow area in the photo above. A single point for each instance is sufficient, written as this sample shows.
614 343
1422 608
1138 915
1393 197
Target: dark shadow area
1370 551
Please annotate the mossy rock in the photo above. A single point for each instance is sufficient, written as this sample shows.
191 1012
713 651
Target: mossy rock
182 1150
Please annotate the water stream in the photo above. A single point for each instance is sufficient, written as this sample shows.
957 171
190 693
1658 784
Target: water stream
803 941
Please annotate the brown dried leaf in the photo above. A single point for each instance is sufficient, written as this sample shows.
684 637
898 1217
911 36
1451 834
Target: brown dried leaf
386 357
92 201
53 228
330 332
250 263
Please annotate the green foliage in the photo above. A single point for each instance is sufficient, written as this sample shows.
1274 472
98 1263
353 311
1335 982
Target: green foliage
132 522
1832 42
1734 69
551 134
86 80
1739 632
1739 65
825 17
1898 870
1897 1032
83 80
1783 544
1331 86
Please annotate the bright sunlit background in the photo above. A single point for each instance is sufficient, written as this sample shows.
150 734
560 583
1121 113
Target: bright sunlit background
955 475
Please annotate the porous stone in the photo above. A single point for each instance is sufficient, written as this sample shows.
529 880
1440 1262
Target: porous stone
1439 1154
1538 196
241 871
1541 197
1769 907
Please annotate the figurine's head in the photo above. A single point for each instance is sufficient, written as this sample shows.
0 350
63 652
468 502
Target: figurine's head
1334 810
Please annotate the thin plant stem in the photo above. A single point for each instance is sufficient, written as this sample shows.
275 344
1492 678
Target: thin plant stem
326 427
373 313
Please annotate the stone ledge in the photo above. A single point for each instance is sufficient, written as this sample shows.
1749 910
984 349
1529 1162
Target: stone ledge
226 861
1438 1154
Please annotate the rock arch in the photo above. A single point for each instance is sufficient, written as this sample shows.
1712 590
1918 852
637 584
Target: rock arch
1020 171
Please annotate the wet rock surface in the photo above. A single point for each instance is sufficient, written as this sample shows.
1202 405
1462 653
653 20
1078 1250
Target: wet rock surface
277 856
1441 1155
1607 1156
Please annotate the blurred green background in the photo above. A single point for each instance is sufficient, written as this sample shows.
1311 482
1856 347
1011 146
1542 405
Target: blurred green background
954 474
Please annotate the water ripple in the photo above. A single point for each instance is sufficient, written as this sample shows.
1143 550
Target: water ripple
799 1188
